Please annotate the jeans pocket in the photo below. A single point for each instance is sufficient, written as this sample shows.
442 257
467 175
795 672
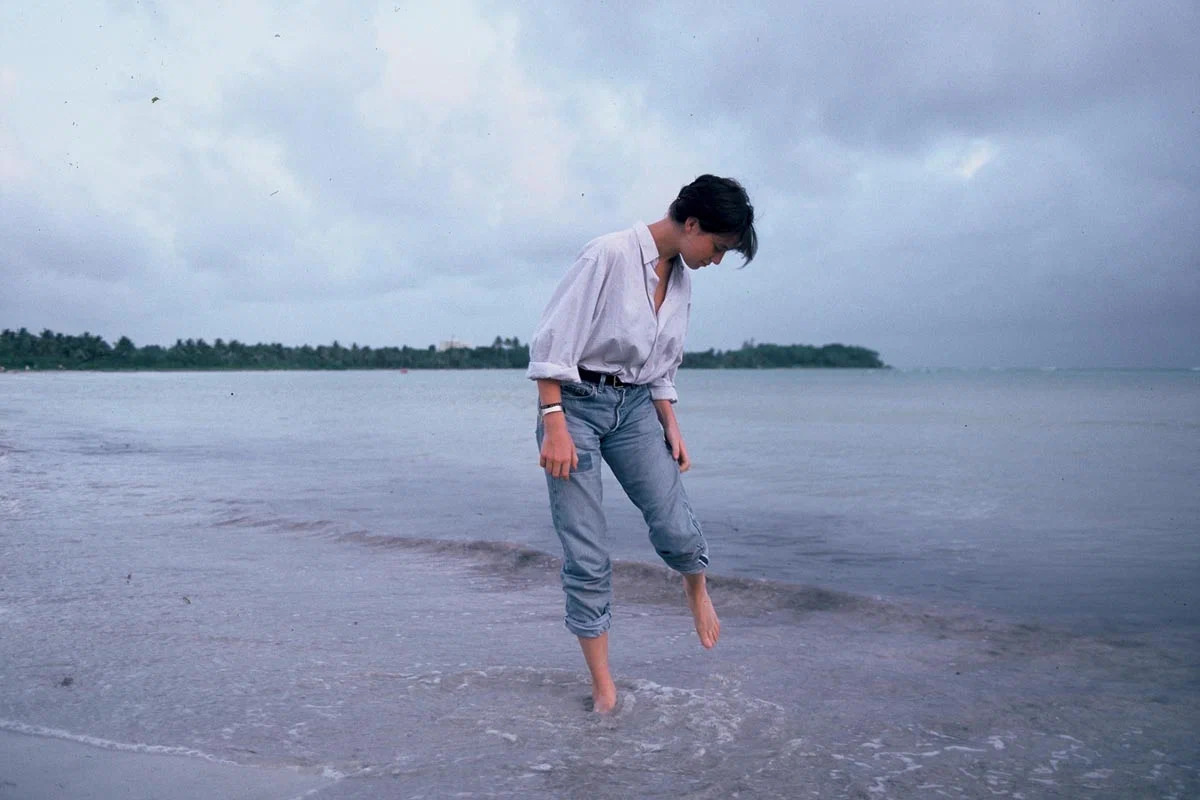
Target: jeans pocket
573 389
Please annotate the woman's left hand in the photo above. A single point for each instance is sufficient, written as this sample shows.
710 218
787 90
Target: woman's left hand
666 415
678 448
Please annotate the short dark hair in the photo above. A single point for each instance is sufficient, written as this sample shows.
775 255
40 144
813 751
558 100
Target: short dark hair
721 206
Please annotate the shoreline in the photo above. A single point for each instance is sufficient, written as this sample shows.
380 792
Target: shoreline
307 656
44 766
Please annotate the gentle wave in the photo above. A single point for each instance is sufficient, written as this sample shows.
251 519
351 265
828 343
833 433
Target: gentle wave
655 584
276 522
635 580
785 603
13 726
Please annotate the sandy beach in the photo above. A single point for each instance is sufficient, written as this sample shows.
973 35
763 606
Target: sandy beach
251 666
52 768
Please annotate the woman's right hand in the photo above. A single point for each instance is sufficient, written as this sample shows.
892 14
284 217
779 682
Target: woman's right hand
558 449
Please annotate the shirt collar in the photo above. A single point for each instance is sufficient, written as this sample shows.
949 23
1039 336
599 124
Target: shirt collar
646 242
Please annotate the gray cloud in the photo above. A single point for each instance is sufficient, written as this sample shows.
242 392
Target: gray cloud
1009 185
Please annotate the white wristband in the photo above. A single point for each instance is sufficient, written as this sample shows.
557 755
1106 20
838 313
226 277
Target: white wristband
551 409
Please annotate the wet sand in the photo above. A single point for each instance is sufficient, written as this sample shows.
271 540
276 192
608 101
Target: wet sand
342 667
46 768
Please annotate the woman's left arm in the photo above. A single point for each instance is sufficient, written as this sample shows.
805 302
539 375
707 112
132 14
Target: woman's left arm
666 415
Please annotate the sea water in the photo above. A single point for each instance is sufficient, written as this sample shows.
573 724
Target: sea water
931 583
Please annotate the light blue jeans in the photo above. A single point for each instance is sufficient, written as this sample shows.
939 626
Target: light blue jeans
621 426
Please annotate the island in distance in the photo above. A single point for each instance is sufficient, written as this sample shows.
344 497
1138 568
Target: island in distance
22 350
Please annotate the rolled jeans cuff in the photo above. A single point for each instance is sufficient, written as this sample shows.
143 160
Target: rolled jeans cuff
691 566
590 630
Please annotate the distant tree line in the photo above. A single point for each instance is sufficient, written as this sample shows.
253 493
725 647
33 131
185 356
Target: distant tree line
49 350
21 350
770 356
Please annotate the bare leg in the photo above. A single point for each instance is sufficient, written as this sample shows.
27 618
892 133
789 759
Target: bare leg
708 627
604 691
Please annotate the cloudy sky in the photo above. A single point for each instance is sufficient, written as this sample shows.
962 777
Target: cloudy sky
952 184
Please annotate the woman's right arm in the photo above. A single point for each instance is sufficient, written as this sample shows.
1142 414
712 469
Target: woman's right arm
558 455
555 350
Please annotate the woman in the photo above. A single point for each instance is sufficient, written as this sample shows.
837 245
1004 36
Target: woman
604 357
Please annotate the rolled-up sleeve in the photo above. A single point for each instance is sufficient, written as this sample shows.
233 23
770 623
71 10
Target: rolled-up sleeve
568 321
664 387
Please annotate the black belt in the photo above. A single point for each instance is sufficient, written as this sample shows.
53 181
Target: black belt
602 379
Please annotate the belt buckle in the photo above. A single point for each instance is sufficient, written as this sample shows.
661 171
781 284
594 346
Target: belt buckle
602 378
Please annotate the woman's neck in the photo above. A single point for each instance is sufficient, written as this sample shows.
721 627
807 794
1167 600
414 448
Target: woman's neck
666 233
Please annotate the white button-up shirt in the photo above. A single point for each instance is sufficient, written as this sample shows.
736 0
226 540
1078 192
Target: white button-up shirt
602 317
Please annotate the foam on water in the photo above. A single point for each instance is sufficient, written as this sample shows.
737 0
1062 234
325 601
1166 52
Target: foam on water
538 716
107 744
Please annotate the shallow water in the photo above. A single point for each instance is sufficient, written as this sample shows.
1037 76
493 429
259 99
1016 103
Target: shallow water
1045 494
349 574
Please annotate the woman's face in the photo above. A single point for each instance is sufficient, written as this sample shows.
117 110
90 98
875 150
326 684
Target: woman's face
698 248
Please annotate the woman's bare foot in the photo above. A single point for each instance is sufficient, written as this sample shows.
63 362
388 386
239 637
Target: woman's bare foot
708 627
604 699
604 691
